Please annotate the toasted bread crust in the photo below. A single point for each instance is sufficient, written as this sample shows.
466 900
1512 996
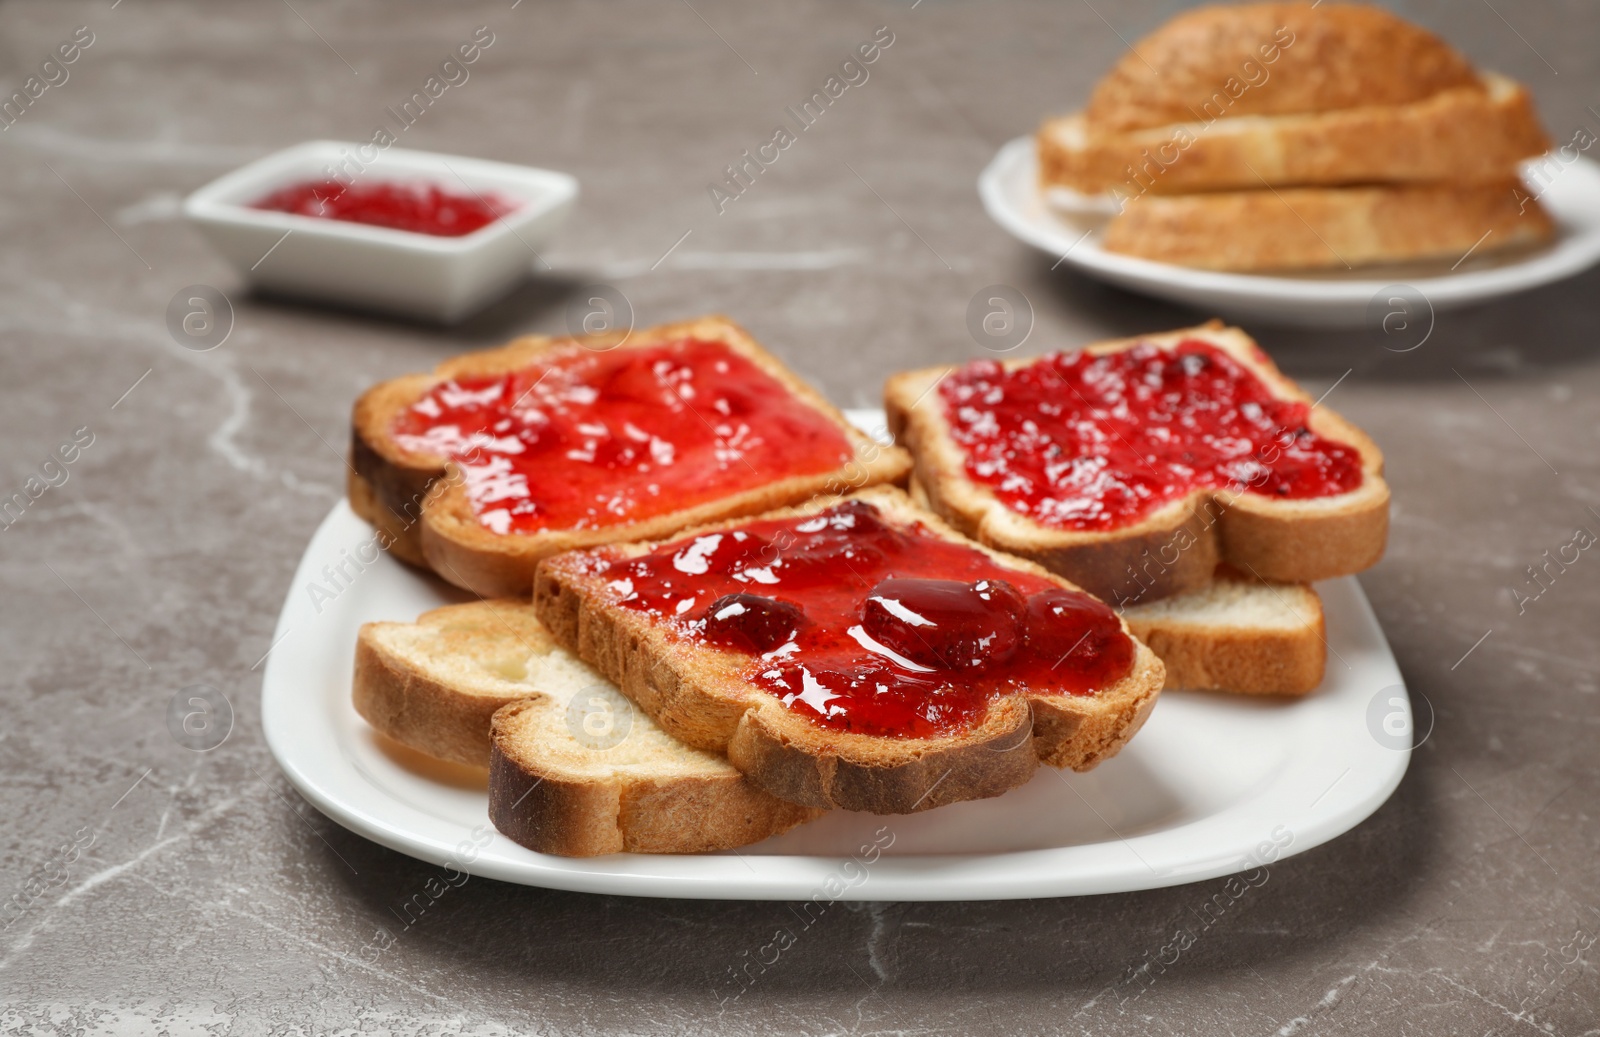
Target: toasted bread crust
1287 663
1270 659
1466 135
423 709
696 694
1319 57
419 712
430 518
396 533
799 762
386 484
1328 227
539 805
1176 548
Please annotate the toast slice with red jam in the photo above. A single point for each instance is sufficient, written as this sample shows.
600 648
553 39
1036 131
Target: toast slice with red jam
1133 467
500 458
856 653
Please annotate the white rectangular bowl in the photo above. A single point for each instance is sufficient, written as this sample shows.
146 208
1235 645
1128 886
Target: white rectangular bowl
420 275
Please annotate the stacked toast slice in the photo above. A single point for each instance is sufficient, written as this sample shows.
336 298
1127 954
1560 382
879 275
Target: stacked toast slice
1235 634
787 709
1115 515
574 769
1474 130
1297 136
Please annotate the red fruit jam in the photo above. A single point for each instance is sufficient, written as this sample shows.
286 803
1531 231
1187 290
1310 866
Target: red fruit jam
1084 442
417 207
588 439
864 627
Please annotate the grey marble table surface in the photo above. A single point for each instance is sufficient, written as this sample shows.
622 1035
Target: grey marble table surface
156 889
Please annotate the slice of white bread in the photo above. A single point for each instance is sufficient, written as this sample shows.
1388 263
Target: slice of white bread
427 519
1177 547
483 684
1472 134
434 684
1237 635
698 694
1234 634
1289 94
1329 228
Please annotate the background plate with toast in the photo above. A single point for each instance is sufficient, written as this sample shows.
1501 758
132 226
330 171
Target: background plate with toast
1010 192
1214 784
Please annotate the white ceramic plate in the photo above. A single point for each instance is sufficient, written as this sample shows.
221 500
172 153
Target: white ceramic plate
1010 192
1195 795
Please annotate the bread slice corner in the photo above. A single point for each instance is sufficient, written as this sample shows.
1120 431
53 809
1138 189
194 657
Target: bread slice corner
1237 635
434 684
573 768
632 789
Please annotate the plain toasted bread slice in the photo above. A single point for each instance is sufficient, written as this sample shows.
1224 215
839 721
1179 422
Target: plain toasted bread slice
1177 547
1237 635
423 516
1309 228
556 792
434 684
698 694
573 768
1234 634
1467 134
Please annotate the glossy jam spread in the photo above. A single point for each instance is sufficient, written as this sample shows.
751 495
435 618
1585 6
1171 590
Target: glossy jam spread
1087 442
417 207
590 438
864 627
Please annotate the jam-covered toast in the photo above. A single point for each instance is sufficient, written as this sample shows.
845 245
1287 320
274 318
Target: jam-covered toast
856 653
500 458
1134 467
573 769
